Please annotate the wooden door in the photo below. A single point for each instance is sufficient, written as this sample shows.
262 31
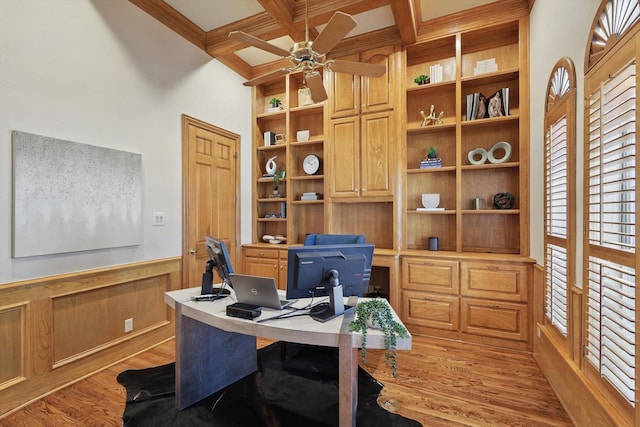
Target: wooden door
210 189
376 155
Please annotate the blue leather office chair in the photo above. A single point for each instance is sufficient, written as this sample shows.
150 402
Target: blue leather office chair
333 239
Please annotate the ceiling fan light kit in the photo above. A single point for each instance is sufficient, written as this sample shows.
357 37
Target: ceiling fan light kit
309 56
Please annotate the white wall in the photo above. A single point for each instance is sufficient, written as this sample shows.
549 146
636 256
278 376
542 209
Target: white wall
105 73
559 28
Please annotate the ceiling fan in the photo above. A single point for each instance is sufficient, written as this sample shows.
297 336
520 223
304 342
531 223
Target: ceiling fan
309 56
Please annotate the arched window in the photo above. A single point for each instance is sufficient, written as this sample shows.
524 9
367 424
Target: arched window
560 186
610 182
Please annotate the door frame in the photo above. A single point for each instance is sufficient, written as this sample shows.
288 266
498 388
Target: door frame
186 122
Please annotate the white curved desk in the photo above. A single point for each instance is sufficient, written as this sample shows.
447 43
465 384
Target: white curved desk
214 350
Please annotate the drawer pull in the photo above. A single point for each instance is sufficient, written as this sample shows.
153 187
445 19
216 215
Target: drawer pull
494 305
493 268
428 299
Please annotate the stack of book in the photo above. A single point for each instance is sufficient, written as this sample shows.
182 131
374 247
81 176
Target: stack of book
309 196
480 107
435 73
431 163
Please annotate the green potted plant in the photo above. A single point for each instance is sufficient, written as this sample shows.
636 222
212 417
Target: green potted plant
275 102
276 180
432 153
421 79
376 313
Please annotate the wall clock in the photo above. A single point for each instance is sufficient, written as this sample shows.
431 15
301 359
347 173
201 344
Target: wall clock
311 164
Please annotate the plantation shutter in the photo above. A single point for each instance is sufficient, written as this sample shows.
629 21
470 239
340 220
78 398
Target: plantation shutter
556 224
611 229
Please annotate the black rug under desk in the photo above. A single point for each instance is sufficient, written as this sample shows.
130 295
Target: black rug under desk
301 390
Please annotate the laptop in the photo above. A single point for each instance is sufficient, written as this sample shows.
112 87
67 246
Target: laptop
256 290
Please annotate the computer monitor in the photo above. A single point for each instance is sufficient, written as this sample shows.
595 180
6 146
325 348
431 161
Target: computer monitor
323 270
219 261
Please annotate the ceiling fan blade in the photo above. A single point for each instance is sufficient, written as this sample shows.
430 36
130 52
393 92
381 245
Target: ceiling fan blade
267 77
256 42
314 83
359 68
337 28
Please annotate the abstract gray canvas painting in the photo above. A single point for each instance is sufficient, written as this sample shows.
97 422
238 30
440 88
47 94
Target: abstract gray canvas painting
69 196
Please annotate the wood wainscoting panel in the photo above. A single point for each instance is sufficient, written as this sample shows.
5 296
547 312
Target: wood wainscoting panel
57 330
584 404
86 321
12 339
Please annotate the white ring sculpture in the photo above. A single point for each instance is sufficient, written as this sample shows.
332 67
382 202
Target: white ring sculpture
500 146
484 155
478 151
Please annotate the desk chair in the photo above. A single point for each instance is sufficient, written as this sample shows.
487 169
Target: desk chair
333 239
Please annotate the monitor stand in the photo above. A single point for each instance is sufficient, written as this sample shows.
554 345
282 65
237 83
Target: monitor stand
335 307
207 288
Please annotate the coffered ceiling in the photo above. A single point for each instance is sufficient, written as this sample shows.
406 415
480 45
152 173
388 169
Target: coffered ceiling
207 23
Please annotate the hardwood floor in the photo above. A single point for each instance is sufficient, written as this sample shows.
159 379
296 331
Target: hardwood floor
440 383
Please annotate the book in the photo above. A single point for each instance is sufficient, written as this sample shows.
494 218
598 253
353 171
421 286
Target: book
430 163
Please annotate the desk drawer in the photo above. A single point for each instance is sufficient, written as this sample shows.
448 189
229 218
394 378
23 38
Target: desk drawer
494 318
261 253
430 310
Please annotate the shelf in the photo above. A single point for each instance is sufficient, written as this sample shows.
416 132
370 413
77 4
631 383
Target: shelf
272 219
308 109
272 200
431 128
434 212
272 115
491 166
430 86
311 142
489 78
307 178
307 202
492 121
271 147
491 212
432 170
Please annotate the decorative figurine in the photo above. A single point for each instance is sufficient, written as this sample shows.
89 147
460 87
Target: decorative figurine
431 117
271 166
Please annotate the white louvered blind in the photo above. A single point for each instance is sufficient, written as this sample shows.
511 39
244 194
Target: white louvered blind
556 224
611 230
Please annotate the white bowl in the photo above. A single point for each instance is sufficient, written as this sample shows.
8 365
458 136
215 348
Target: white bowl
430 200
302 135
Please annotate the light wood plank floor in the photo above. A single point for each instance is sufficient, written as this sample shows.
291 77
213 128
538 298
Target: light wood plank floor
440 383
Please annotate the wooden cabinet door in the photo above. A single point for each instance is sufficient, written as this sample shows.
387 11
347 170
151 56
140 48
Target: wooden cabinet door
261 262
430 275
375 155
376 93
345 92
265 267
344 153
496 281
498 319
431 310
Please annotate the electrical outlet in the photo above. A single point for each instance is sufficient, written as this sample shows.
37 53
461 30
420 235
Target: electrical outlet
158 218
128 325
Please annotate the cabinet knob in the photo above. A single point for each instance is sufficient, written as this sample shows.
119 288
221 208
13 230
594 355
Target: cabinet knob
192 251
